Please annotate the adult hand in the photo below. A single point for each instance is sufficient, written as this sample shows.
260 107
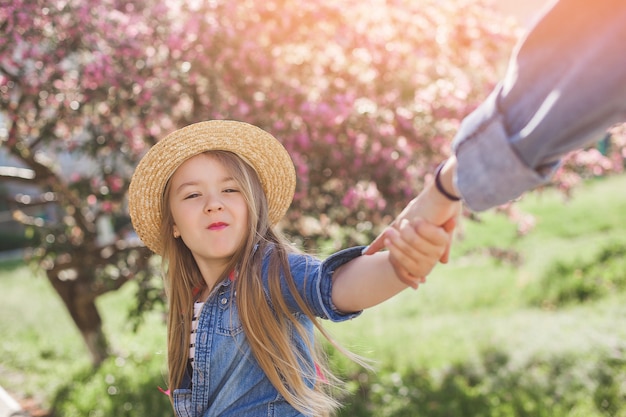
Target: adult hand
429 205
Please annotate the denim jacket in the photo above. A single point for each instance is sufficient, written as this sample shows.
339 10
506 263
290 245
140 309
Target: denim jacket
226 380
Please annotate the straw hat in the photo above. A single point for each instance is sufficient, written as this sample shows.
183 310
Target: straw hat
255 146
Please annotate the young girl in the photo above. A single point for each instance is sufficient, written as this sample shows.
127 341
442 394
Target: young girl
243 303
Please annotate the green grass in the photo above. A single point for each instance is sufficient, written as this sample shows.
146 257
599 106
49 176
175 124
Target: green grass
477 301
473 340
39 340
42 351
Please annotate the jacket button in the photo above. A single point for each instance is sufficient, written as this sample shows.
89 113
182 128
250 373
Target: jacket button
224 300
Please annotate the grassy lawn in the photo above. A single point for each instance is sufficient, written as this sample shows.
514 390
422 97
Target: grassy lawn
477 301
475 304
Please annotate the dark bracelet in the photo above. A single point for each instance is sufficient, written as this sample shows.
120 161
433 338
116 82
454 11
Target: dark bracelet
440 186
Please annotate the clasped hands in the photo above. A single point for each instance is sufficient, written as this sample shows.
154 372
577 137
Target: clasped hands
420 237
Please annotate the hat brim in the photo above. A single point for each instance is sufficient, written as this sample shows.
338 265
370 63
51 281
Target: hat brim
259 149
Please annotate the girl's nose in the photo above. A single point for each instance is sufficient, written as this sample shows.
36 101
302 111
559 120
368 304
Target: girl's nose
213 203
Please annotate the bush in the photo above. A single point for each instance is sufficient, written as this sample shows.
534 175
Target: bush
491 386
496 387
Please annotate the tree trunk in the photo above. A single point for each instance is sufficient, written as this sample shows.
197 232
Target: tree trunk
80 303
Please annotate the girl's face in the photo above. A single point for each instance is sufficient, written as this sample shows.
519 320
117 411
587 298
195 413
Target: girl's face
209 211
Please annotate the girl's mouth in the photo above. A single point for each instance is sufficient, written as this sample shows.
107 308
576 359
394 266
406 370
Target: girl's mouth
217 226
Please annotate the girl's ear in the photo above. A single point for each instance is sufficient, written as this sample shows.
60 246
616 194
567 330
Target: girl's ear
176 232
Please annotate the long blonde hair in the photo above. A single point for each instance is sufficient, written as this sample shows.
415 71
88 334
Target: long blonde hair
268 323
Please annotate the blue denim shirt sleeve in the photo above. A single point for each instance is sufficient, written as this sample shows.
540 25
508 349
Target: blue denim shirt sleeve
565 85
313 279
324 291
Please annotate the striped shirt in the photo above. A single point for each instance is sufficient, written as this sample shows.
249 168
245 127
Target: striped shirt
197 309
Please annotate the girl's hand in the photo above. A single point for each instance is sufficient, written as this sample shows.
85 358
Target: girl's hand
416 247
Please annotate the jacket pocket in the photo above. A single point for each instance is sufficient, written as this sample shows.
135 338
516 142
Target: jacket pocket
182 403
228 323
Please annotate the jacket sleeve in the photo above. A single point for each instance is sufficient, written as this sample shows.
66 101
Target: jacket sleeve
565 85
313 280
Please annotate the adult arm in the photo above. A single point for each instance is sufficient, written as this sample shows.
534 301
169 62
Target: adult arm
565 85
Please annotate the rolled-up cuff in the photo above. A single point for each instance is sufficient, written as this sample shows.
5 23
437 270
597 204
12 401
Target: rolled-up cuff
489 172
329 265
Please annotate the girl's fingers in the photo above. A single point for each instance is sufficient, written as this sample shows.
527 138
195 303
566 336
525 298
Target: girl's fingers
415 248
409 260
449 227
379 243
422 241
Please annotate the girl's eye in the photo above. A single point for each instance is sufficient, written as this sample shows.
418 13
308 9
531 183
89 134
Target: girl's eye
231 190
193 195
